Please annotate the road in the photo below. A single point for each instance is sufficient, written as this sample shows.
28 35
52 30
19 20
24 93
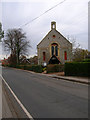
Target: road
46 97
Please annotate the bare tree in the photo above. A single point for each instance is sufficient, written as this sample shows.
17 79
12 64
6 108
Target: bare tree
77 52
80 54
16 42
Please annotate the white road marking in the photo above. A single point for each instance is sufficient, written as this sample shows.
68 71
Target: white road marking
19 102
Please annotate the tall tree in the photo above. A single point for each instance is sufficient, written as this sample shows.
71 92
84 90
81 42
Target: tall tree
1 32
16 42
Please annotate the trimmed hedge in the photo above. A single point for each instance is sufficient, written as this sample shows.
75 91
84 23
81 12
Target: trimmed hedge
77 69
55 68
35 68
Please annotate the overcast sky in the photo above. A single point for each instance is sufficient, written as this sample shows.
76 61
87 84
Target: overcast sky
71 19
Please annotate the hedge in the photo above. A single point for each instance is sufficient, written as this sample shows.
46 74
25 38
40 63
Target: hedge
77 69
35 68
55 68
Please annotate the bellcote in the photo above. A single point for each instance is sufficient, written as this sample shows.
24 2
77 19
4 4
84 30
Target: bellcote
53 25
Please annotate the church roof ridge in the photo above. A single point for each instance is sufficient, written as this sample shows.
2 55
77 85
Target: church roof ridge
44 37
63 36
48 34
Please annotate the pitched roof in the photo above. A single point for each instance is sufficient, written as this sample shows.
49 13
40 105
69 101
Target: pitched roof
49 33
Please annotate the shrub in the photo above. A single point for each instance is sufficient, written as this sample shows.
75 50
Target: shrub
35 68
10 65
77 69
55 68
38 68
27 67
20 66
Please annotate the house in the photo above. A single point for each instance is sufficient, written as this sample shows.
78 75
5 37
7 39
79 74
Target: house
54 48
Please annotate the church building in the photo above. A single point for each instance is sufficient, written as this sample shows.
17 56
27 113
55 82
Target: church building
54 48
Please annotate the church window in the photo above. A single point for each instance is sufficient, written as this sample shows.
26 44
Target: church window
65 55
54 49
44 56
54 36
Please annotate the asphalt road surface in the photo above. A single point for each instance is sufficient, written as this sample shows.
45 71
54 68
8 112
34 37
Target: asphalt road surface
46 97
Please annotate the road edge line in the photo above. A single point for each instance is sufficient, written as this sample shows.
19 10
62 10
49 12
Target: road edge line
19 102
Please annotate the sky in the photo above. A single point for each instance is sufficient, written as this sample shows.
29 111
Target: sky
71 19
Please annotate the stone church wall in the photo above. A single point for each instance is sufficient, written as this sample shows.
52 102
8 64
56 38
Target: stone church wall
45 46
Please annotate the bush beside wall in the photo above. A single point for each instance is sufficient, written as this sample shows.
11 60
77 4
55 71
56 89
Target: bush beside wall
77 69
55 68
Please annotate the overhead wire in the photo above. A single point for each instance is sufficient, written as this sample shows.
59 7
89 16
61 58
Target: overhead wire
71 23
43 13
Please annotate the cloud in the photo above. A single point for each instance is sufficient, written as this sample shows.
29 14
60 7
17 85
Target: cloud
71 18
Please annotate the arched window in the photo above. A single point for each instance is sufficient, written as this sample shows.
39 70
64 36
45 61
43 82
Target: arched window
54 49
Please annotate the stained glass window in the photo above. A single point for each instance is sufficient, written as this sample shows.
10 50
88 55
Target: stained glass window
54 49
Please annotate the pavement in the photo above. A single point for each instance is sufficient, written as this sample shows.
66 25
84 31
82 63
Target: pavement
0 99
6 111
83 80
10 108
